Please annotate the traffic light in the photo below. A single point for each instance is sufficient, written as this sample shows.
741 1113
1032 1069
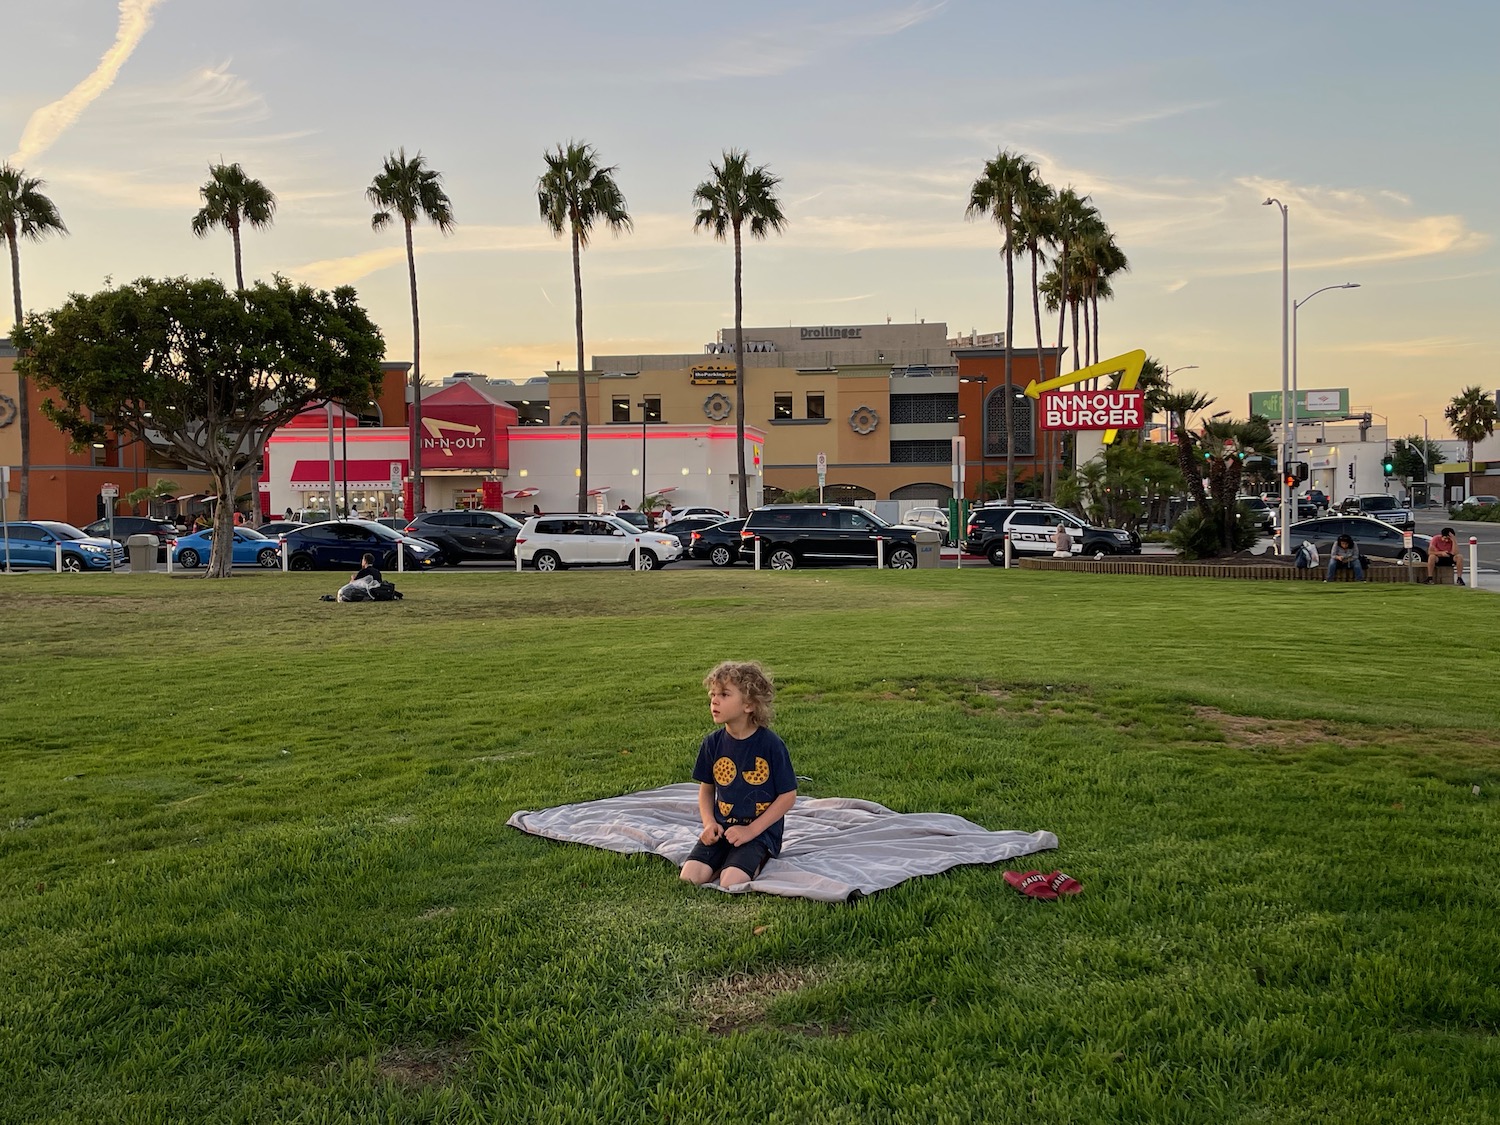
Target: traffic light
1301 469
1388 466
1289 478
1351 471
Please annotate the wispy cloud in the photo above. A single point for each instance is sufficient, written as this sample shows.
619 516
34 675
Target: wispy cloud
51 121
777 50
1411 349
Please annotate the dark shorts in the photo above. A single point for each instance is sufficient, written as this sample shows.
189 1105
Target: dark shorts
749 857
1443 560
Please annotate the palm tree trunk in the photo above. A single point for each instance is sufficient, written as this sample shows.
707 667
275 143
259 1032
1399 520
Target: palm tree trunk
1097 354
583 398
23 408
1041 370
239 269
417 505
739 376
1077 358
1010 325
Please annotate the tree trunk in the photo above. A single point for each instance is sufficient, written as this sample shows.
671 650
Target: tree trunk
239 269
1010 325
221 554
418 504
739 375
1041 370
1098 355
1077 358
23 408
583 397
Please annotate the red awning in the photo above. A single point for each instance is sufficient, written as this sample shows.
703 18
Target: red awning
363 472
522 493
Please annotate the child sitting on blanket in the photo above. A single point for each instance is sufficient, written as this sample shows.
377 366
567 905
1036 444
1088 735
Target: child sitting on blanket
745 780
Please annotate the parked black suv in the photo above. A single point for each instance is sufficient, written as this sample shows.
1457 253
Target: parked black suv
793 535
126 526
461 534
985 534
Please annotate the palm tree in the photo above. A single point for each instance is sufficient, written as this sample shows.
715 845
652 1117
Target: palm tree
230 199
409 189
999 193
573 194
1471 416
1072 215
734 194
1102 259
1038 233
24 213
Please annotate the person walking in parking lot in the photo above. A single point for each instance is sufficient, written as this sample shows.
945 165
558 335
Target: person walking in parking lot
1345 555
1442 550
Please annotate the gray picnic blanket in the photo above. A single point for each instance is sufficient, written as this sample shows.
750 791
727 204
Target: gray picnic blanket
834 847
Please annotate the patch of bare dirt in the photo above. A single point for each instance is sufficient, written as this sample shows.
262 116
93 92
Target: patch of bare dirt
742 1001
1254 732
421 1066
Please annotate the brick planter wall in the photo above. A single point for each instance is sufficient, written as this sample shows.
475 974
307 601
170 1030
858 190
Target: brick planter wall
1378 571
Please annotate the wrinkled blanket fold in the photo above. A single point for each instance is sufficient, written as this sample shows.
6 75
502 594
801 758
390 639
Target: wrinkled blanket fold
834 847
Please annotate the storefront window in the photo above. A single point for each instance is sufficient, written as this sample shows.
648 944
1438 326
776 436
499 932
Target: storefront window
783 406
621 409
815 405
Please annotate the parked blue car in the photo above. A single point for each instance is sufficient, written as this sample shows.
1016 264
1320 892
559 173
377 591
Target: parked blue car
339 545
34 545
251 548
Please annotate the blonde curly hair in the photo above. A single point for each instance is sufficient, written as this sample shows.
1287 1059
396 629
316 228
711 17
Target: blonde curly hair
753 681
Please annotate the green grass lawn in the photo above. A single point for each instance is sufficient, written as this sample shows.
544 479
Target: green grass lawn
254 864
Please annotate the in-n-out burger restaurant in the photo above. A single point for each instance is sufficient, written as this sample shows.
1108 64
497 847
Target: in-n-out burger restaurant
475 455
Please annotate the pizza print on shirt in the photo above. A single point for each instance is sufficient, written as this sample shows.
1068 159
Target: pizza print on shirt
724 771
758 776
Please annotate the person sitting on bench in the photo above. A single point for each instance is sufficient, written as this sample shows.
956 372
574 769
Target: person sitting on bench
1442 550
1345 554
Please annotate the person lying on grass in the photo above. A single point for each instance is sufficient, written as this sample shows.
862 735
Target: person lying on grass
746 784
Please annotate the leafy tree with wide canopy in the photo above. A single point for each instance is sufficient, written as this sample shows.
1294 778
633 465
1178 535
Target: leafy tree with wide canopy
574 194
213 373
734 195
1471 417
407 189
24 213
232 200
1000 192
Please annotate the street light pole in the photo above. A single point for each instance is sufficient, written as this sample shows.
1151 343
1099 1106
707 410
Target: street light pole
983 381
642 405
1296 399
1286 494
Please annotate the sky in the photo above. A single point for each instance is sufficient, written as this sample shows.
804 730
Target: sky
1376 122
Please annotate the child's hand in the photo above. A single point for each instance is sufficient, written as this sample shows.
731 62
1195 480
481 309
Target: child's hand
711 834
738 834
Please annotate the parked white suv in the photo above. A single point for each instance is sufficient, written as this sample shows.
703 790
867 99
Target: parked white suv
934 518
569 539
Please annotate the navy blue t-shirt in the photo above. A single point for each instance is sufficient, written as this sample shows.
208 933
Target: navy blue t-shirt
747 775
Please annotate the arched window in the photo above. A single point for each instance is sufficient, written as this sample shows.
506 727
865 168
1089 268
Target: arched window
1022 423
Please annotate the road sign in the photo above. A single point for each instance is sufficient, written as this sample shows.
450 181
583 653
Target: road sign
110 491
396 476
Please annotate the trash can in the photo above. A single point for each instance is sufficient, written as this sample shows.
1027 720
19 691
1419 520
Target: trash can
142 550
929 548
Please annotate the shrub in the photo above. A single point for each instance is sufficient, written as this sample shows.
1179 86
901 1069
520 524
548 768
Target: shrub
1196 537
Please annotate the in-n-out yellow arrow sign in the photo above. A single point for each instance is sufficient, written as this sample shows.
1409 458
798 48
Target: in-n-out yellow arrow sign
436 426
1127 366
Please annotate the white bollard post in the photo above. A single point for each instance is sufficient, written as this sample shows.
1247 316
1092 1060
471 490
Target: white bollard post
637 552
1474 561
59 557
757 552
1007 551
518 560
879 552
400 558
171 549
285 556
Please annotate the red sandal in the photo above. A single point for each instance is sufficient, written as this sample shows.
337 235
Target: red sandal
1032 884
1062 884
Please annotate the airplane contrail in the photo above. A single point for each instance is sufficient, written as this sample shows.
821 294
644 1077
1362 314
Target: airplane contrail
51 121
